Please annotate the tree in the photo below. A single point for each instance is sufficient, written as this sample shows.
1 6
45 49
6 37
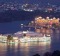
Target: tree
54 25
24 35
9 38
48 54
56 53
36 55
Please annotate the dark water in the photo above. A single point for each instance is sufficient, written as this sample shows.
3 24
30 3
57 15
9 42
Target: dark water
26 49
12 27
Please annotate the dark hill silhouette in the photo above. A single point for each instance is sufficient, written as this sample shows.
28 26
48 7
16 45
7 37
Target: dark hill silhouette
13 15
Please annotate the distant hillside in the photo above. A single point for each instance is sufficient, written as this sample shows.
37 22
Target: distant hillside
41 2
10 15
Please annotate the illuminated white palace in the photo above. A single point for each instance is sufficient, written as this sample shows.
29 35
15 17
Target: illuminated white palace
35 38
27 36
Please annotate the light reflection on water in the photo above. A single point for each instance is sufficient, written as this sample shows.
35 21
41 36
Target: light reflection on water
24 49
29 49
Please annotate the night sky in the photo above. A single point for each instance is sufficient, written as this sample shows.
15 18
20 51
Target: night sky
57 2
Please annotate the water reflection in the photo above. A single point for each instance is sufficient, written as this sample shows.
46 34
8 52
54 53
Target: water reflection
31 48
24 49
35 47
55 42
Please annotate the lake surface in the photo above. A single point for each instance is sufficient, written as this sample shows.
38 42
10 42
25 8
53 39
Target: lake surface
26 49
12 27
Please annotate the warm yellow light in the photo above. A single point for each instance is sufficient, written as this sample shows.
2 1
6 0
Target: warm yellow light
40 17
47 17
